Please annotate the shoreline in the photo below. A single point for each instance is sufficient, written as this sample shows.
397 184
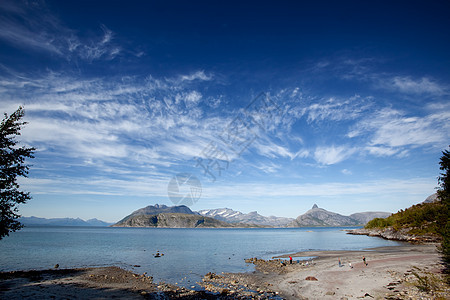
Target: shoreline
320 254
392 272
401 235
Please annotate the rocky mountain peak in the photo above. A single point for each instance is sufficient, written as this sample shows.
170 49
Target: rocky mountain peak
232 216
431 198
315 206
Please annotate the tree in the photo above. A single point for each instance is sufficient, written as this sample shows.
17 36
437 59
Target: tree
12 165
444 197
444 178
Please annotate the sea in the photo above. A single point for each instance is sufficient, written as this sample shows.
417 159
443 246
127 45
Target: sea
186 254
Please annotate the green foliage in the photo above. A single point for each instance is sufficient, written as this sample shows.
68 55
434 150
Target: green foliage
419 219
12 165
379 223
424 283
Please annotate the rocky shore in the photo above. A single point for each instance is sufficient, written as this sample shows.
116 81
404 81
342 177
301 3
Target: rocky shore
403 272
97 283
396 235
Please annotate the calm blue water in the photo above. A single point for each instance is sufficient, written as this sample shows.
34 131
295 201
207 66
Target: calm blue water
188 253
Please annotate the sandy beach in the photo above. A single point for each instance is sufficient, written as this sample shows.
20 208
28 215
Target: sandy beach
389 274
402 272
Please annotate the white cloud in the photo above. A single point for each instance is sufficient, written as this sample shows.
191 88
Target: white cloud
199 75
268 168
408 85
389 130
96 49
115 124
96 185
337 110
381 151
32 27
346 172
193 97
272 150
331 155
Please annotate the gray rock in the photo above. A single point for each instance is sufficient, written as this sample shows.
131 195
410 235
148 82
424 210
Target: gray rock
431 198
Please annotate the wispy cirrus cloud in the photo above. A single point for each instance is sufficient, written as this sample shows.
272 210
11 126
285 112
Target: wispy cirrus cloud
390 131
410 85
366 70
346 172
394 128
337 110
31 26
330 155
198 75
120 126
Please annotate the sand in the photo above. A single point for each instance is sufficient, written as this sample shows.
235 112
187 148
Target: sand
390 274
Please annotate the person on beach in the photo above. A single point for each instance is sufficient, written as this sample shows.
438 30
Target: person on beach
340 264
290 260
364 261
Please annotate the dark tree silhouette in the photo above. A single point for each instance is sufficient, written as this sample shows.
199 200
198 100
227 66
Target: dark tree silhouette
12 165
444 197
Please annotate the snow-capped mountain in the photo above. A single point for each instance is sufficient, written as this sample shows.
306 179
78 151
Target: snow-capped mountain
232 216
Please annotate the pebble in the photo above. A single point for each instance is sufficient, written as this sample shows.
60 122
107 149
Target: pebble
312 278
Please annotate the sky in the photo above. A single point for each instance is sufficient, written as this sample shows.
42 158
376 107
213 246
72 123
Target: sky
261 106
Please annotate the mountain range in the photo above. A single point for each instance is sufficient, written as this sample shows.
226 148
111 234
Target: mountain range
317 216
172 217
182 216
35 221
232 216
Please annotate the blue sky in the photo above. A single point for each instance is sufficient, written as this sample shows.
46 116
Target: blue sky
351 103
